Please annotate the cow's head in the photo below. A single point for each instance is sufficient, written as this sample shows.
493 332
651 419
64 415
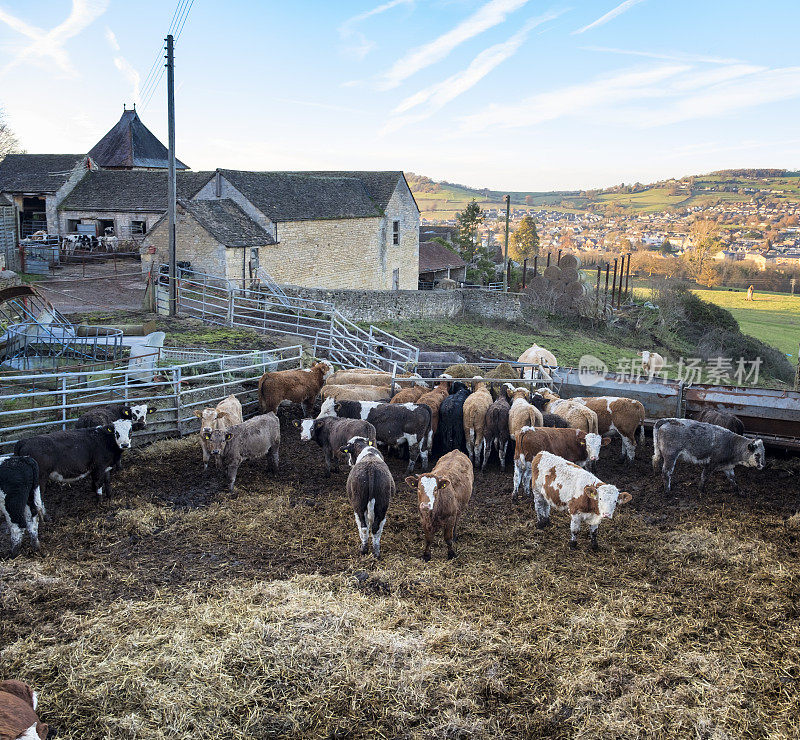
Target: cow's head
326 368
606 497
355 447
593 442
217 439
520 392
121 429
306 427
756 457
138 414
208 418
428 486
328 408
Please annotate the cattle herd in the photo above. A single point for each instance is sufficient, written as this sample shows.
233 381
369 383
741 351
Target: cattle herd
460 423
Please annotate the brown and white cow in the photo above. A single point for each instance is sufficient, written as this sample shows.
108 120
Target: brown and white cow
572 444
476 405
443 495
18 718
297 386
522 413
565 486
652 363
621 416
227 413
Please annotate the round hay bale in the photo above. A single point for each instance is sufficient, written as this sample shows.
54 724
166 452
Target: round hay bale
565 304
575 290
447 284
538 283
569 261
552 273
570 274
503 371
463 370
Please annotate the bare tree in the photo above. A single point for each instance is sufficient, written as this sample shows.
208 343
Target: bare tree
9 144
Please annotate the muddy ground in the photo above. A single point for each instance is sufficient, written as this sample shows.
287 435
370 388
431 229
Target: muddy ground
685 623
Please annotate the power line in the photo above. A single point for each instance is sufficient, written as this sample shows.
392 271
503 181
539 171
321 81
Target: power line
150 78
180 31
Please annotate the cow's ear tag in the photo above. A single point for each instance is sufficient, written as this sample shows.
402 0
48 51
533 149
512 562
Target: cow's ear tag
127 412
110 429
370 443
228 437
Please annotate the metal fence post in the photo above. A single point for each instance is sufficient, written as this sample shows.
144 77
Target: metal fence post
64 402
176 392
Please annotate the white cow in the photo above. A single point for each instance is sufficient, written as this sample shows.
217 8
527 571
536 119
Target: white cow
537 355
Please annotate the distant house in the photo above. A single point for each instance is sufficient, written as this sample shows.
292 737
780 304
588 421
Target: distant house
437 262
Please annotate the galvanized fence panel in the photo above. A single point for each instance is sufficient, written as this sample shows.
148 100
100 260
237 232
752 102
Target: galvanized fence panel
44 402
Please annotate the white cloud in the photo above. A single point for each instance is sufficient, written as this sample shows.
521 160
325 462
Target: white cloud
358 44
599 93
613 13
675 56
47 47
487 16
439 94
124 66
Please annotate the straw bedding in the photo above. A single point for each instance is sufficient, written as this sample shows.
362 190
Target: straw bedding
190 614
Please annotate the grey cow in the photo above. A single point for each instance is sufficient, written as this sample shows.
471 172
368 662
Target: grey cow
709 445
250 440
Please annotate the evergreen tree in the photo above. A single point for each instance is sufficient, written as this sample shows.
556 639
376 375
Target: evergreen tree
525 240
480 267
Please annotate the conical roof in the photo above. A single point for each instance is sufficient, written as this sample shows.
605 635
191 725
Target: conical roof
131 144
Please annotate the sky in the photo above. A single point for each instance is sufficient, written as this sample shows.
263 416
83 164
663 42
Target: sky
506 94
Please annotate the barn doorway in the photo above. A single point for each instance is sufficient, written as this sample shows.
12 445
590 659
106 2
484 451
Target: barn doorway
32 216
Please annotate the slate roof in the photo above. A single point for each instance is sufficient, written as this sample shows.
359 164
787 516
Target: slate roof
434 256
228 223
130 190
304 196
36 173
4 201
379 184
131 144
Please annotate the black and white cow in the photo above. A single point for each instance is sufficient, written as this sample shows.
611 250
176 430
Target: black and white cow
395 423
69 455
332 433
709 445
370 488
20 499
102 415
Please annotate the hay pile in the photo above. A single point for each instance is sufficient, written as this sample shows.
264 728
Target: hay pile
562 288
193 615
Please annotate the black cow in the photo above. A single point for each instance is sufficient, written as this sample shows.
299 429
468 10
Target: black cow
332 433
20 499
709 445
370 487
721 419
450 432
395 423
101 415
72 454
495 431
553 420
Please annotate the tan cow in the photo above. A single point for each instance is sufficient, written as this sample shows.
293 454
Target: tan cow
616 415
356 392
226 414
433 400
539 356
409 395
475 407
522 413
443 495
573 412
297 386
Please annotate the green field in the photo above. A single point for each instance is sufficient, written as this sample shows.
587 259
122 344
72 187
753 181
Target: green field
773 318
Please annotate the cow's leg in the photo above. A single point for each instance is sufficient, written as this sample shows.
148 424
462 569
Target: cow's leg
574 529
666 471
376 538
32 525
542 507
449 530
629 447
731 476
275 459
527 479
706 471
39 504
205 457
413 456
304 407
593 536
43 479
502 451
519 472
232 471
487 452
363 531
328 461
16 538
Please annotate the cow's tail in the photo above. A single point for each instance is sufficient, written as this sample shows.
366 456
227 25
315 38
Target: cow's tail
641 430
656 450
371 497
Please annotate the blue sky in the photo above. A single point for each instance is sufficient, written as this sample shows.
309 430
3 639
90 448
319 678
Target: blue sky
517 94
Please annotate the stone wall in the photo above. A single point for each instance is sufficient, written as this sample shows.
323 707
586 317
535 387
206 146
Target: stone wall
403 305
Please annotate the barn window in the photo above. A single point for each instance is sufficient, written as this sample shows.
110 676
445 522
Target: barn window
72 225
395 232
138 227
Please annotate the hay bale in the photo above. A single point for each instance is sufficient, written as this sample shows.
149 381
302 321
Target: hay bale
463 370
569 261
447 284
538 283
503 371
552 273
570 275
576 290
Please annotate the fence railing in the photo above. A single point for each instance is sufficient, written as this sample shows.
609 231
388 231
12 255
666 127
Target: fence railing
217 301
45 402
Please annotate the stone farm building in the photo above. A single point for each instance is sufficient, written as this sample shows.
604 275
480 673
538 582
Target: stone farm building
339 229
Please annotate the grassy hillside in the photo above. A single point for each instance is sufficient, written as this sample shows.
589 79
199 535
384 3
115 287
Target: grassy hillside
444 200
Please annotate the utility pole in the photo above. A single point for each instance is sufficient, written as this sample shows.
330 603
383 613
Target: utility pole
505 251
171 188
